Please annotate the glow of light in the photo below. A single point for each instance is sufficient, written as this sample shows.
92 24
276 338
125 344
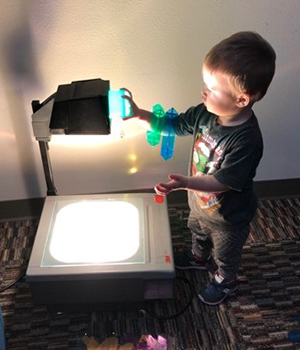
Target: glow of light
133 170
119 129
7 135
82 140
143 124
103 231
132 157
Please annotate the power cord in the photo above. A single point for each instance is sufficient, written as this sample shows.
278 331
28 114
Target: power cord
191 293
13 283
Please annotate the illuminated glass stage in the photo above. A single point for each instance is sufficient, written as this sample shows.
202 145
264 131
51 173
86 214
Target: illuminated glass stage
109 248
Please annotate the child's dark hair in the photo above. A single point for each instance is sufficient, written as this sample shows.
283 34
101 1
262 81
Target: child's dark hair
247 59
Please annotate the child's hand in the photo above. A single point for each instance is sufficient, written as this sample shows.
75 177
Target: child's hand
138 113
178 182
135 109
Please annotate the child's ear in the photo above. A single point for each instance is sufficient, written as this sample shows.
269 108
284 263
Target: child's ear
243 100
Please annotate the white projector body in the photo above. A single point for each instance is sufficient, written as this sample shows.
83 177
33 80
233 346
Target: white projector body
101 249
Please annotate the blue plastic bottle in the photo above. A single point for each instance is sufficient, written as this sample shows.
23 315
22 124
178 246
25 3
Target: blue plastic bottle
168 141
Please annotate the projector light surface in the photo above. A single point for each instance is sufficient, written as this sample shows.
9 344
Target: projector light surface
94 232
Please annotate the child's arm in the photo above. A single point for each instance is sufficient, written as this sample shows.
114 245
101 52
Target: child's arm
179 182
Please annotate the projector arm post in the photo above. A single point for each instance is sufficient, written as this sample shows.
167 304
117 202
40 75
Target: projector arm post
40 122
44 150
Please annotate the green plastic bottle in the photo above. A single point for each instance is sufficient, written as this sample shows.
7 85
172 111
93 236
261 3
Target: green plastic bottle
156 126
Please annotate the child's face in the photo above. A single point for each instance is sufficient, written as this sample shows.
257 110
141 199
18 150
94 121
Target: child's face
218 95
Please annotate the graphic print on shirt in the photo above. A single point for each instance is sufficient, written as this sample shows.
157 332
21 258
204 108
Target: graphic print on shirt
207 156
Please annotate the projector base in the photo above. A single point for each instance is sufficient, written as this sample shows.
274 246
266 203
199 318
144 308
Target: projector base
99 291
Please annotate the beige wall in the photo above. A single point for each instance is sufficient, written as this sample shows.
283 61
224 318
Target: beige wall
153 47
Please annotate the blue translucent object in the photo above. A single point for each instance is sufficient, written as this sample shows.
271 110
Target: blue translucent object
119 107
156 126
2 333
294 336
168 141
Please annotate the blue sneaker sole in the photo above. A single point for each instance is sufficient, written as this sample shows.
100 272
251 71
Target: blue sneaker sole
219 301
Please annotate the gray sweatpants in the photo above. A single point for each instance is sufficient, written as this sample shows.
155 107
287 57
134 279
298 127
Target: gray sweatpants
225 244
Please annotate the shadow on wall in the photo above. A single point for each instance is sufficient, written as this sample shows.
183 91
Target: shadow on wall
21 77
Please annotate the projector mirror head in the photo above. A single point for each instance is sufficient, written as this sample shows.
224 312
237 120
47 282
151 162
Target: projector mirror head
81 108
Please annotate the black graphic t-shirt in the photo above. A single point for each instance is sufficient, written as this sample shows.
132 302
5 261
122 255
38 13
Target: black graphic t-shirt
231 154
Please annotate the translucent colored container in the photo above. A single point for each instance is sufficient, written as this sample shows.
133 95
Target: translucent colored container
157 123
119 107
168 141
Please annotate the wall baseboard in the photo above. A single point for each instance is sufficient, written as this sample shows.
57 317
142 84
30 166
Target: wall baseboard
277 188
21 208
33 207
288 188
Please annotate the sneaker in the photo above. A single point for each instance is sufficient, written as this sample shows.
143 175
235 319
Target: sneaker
217 290
187 260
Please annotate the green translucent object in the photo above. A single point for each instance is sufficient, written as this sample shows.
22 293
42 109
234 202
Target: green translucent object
156 126
158 111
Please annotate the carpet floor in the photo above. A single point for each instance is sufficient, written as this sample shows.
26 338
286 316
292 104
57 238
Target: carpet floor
264 313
